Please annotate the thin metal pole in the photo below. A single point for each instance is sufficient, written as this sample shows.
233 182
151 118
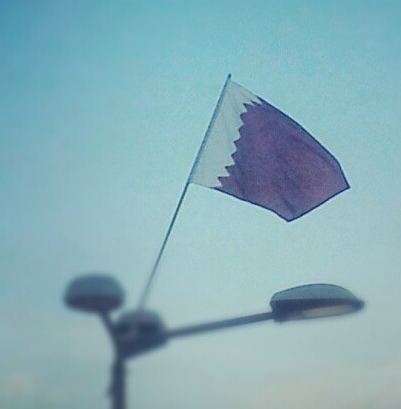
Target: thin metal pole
170 227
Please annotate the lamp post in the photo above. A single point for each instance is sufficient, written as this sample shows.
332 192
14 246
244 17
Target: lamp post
140 331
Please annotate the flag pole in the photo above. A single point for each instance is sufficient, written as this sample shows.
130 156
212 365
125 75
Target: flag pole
186 186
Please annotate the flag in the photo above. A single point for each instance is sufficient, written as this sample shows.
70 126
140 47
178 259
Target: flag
258 154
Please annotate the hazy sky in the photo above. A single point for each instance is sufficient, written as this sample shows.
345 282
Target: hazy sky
102 109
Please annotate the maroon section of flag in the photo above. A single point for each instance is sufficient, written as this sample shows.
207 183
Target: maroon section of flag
278 165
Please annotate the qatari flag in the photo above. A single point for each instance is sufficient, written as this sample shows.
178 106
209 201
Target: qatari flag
258 154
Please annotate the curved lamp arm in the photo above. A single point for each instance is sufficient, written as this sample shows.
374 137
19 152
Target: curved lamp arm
110 330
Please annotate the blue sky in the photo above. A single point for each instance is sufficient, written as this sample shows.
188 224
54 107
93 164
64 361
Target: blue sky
103 107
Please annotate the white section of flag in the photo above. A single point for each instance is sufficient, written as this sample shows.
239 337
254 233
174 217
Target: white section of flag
218 147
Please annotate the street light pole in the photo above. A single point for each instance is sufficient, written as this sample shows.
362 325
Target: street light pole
140 331
143 341
117 386
117 389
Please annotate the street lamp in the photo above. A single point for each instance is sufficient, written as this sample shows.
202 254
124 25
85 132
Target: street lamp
313 301
139 331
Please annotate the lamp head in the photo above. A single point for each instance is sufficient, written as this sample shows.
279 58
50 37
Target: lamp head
99 293
313 301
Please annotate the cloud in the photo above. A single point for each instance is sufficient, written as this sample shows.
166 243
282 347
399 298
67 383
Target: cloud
355 388
24 389
17 383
